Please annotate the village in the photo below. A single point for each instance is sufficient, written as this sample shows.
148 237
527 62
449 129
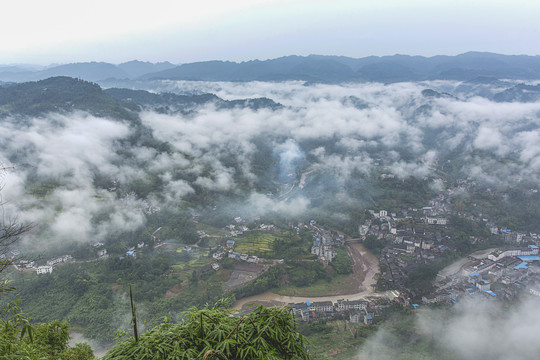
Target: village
411 238
355 311
420 236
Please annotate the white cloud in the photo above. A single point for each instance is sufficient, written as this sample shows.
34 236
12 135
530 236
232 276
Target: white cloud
473 329
213 148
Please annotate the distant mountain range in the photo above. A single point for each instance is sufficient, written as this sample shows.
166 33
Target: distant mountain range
313 68
90 71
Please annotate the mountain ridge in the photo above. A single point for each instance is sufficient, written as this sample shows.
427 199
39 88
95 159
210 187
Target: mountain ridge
311 68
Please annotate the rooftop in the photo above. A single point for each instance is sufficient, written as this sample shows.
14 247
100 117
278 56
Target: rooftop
530 258
523 265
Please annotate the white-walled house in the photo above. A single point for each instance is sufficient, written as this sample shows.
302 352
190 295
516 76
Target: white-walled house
47 269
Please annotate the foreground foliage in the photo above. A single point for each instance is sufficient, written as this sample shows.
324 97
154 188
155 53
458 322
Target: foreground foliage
46 341
216 333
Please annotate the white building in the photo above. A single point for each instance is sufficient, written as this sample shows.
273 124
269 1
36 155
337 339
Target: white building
435 220
58 260
500 254
351 305
44 269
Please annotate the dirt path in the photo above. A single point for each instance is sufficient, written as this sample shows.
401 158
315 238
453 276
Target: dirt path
365 267
303 179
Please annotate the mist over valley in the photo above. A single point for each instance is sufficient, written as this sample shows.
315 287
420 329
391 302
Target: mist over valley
173 168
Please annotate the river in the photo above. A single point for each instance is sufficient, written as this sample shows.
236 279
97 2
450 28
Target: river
366 266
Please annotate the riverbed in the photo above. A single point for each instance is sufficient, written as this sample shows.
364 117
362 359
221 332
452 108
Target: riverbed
365 266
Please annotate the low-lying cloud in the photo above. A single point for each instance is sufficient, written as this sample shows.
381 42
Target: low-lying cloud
72 171
473 329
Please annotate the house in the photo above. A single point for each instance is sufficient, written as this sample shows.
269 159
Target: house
500 254
218 255
58 260
230 244
301 310
25 264
321 306
253 259
355 316
215 266
474 277
534 290
483 285
44 269
368 319
349 305
102 252
435 220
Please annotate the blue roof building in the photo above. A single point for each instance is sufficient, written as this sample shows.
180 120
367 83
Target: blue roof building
529 258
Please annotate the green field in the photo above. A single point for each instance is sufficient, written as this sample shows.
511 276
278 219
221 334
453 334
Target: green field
255 243
339 342
198 260
338 285
210 230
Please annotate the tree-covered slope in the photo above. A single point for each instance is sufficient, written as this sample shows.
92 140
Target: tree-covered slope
61 94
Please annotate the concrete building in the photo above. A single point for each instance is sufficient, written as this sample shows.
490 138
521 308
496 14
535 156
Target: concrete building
44 269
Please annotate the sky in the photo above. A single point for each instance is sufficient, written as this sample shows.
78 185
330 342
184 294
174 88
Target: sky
64 31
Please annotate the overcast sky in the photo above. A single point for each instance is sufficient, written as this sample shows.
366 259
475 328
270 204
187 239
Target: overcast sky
63 31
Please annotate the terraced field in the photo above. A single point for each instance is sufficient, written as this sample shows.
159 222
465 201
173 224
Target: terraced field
255 243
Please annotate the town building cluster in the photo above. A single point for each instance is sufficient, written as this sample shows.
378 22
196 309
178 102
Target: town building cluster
422 235
231 254
503 274
324 243
356 311
43 269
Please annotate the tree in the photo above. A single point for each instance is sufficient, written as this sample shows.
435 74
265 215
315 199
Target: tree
10 231
216 333
19 339
342 263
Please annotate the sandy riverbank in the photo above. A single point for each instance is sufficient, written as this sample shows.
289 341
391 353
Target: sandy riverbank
363 280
